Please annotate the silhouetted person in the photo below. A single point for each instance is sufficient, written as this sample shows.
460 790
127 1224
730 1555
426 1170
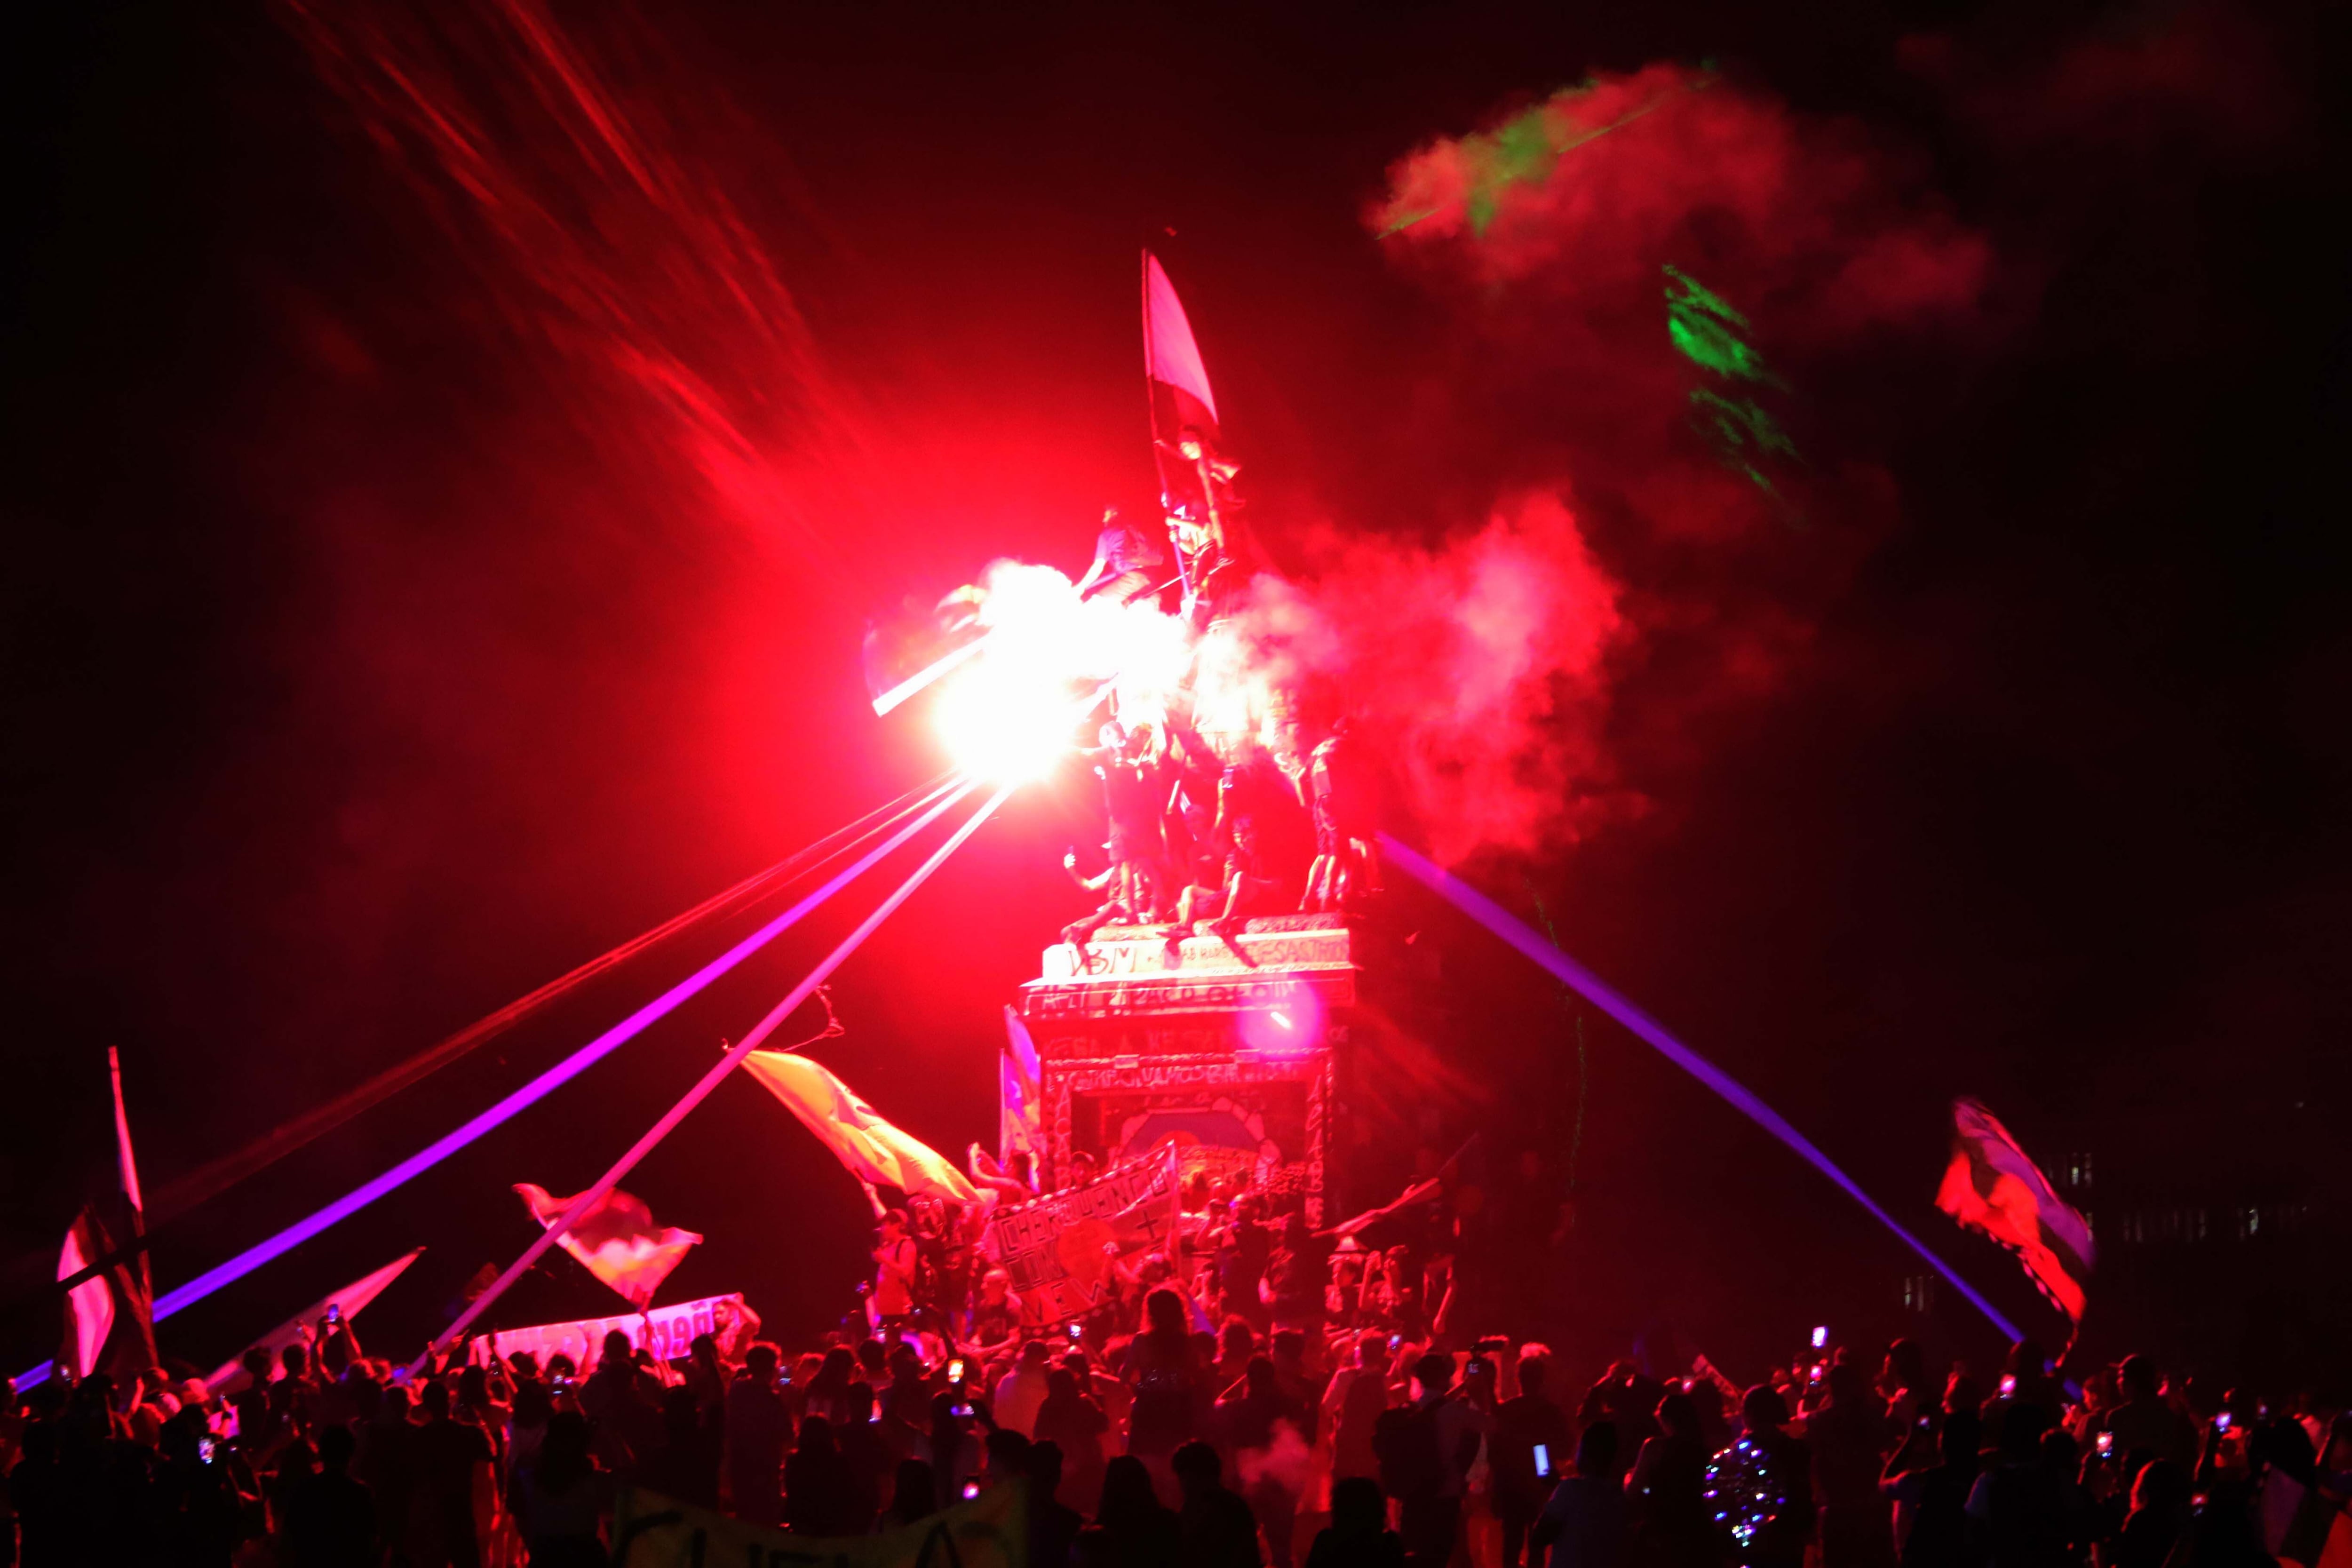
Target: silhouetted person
1520 1484
331 1518
685 1466
1931 1502
2018 1507
1425 1451
758 1427
195 1505
1781 1539
1848 1441
2145 1420
1053 1525
914 1495
2158 1520
446 1454
866 1458
1132 1530
1583 1522
1673 1527
558 1497
1160 1364
816 1483
1071 1419
1358 1535
1265 1430
1215 1527
1353 1402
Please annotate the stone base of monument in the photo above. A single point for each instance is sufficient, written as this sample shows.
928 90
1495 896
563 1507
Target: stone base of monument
1254 1054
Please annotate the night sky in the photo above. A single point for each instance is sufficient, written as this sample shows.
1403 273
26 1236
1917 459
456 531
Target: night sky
384 634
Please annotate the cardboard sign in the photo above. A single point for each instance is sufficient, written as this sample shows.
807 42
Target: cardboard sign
1053 1246
668 1331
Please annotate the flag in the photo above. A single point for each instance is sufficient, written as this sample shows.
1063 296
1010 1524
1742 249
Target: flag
616 1240
1018 1123
1179 386
1991 1186
861 1139
229 1376
1420 1191
109 1319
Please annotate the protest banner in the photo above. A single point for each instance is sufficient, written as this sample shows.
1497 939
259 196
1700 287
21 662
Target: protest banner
668 1331
990 1530
1055 1247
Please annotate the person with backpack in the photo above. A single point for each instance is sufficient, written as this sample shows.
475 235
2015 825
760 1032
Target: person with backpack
1425 1451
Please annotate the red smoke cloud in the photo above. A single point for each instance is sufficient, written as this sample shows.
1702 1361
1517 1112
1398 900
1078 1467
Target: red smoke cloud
1483 666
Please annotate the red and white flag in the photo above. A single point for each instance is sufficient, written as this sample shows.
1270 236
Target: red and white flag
1991 1186
616 1240
109 1318
109 1324
1179 386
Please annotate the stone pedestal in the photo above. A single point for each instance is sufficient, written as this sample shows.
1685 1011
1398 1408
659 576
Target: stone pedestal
1244 1052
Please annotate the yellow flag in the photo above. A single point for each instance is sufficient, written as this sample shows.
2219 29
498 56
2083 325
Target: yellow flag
871 1148
991 1531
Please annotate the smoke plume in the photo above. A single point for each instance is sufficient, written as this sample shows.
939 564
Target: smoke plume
1661 287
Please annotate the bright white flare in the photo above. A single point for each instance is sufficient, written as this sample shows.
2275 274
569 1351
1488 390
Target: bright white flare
1015 708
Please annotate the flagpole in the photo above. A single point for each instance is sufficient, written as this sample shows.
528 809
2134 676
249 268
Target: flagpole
716 1075
129 1168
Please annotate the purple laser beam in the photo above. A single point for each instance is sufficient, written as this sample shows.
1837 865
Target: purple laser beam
530 1094
716 1075
538 1088
1568 972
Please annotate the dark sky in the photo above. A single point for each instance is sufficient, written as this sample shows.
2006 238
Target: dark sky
381 641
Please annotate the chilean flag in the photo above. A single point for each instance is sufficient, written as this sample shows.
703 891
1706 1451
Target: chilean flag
1991 1186
1179 385
616 1240
1019 1124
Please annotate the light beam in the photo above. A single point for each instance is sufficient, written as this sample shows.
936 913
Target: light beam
1519 934
716 1075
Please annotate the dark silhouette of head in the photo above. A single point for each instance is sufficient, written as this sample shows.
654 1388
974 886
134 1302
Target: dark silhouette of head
1678 1415
1127 1497
1044 1468
1597 1456
1960 1437
1198 1468
915 1491
2021 1426
1359 1507
1763 1408
336 1447
1906 1365
1434 1372
1164 1310
1532 1375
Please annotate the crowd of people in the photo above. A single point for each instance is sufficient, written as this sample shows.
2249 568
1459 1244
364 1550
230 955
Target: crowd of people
1171 1445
